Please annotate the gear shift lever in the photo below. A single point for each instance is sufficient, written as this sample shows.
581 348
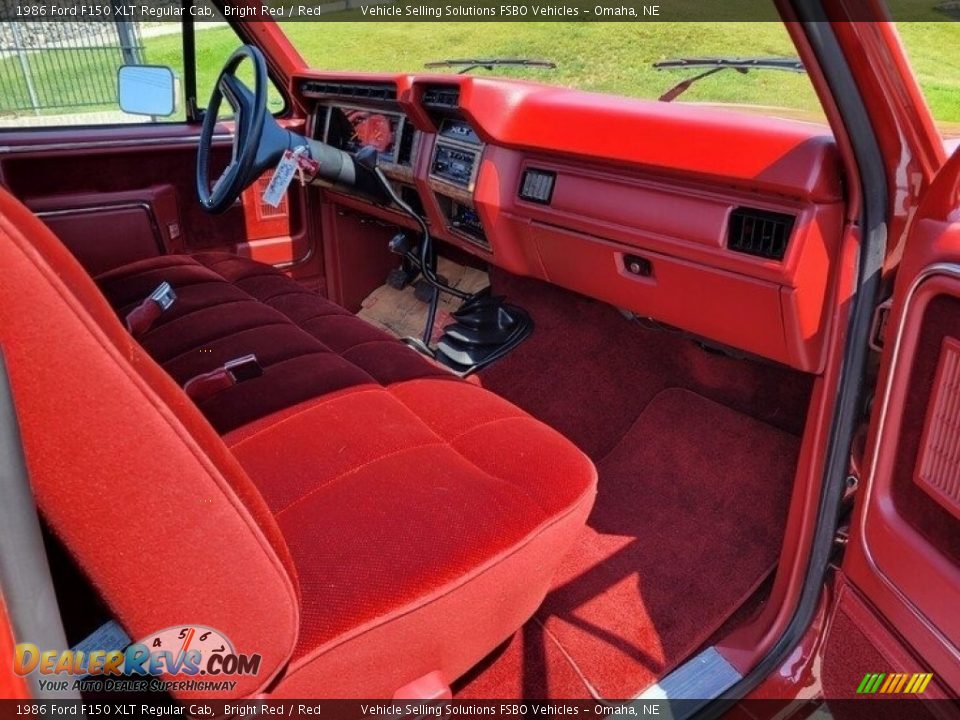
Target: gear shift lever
485 328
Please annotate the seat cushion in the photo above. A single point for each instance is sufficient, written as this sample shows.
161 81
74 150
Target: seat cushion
425 520
132 480
425 516
228 307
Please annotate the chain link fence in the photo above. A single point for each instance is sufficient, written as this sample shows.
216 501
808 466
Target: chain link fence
47 66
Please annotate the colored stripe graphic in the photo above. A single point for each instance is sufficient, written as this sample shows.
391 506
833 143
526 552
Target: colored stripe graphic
894 683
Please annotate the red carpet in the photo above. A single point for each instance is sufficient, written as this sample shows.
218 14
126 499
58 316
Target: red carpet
693 492
589 372
688 522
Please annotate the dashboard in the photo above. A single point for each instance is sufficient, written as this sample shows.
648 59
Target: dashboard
724 224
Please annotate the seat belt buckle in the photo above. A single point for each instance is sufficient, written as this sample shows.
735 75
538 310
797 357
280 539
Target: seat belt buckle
244 368
205 386
163 296
143 316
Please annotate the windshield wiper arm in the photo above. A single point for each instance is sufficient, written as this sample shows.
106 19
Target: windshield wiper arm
489 63
716 64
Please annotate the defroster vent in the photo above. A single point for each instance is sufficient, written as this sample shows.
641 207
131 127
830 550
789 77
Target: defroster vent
359 91
759 232
442 96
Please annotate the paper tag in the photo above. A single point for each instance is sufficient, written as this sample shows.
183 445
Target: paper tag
282 177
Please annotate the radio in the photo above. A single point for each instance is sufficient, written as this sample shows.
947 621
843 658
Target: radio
466 220
454 164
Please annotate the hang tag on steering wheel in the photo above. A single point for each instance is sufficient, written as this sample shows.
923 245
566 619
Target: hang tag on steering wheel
282 177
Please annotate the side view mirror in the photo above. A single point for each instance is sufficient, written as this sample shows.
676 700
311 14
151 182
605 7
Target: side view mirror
146 90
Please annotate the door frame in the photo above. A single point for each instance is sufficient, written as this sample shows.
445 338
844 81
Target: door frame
875 139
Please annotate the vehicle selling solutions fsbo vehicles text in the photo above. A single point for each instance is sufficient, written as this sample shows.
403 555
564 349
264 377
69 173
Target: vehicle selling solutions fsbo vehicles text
507 11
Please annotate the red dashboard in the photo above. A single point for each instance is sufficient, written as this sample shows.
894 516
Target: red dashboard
721 223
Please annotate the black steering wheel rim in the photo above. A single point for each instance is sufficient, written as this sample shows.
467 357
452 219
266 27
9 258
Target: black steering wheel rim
250 110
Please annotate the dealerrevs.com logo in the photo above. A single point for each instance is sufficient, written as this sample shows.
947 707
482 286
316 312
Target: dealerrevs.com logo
197 658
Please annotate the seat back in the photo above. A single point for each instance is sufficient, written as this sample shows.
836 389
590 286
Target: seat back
127 473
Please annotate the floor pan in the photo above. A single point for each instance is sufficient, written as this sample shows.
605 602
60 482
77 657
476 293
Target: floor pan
688 522
400 313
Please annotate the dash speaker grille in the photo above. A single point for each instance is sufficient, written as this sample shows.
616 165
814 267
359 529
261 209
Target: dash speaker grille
938 464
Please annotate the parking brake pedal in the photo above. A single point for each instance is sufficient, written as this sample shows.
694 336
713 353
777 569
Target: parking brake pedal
485 329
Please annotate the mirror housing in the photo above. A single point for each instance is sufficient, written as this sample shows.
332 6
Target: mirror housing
147 90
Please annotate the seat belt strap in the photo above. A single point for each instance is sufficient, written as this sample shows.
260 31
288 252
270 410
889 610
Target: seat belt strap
143 316
109 637
207 385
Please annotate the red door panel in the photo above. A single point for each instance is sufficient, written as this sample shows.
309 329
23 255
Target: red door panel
904 553
135 186
107 229
860 643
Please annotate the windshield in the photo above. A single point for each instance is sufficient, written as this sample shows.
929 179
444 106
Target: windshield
619 58
614 57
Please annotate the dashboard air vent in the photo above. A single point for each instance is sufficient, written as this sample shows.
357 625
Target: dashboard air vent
537 185
759 232
442 96
359 91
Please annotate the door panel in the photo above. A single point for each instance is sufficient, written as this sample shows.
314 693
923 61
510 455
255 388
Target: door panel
904 553
104 230
859 643
80 176
39 173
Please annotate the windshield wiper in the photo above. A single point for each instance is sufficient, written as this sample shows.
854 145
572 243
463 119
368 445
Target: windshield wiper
716 64
490 63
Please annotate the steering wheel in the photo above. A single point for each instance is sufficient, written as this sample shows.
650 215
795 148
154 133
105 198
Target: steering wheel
258 141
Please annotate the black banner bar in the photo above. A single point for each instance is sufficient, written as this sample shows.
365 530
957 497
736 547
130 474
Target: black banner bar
455 10
124 707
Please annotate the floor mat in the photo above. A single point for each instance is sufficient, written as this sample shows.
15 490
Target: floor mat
688 522
589 372
400 313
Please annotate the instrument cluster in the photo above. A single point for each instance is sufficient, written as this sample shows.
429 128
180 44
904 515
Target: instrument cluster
352 127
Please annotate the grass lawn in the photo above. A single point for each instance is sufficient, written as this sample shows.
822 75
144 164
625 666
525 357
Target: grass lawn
611 57
616 57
